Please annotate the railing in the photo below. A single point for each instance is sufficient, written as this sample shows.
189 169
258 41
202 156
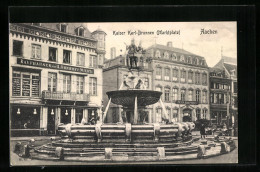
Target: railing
64 96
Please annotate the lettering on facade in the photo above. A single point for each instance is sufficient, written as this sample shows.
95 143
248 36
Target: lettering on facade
53 66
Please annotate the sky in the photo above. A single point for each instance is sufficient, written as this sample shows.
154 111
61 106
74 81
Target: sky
189 37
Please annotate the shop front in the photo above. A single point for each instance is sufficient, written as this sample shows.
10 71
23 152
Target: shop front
25 120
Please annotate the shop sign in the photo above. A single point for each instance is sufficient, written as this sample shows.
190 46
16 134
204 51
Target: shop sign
187 102
54 66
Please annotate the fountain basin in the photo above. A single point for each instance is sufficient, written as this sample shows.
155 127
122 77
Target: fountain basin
126 98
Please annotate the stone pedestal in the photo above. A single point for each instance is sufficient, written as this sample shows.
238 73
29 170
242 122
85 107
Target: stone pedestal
160 153
108 153
59 152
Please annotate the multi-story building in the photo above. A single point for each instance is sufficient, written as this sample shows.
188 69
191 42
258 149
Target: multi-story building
220 96
55 75
113 76
229 65
180 75
183 78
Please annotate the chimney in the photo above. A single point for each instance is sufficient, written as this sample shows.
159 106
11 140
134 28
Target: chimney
113 52
169 44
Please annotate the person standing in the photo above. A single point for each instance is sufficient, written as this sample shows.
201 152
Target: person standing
202 131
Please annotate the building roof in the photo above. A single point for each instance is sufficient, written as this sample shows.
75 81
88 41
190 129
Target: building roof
230 68
229 60
71 28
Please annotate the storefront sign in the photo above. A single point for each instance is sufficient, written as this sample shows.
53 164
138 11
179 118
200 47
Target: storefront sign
54 66
186 102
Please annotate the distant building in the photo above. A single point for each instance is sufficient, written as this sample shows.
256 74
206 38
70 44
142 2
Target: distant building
183 78
229 66
220 96
55 75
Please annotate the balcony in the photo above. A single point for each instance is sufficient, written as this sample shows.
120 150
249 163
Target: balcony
48 95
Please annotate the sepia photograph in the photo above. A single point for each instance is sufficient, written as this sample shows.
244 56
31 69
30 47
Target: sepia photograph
123 93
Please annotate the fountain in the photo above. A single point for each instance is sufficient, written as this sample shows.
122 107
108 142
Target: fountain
131 139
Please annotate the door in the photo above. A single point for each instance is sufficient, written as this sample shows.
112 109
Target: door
51 121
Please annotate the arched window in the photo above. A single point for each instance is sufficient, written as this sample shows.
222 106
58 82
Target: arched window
175 74
158 54
204 112
190 77
166 55
197 78
189 59
174 56
198 95
182 59
198 114
190 94
175 94
167 94
204 96
183 76
204 79
158 73
183 94
167 74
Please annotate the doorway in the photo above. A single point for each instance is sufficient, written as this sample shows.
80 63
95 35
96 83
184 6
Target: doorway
51 121
187 115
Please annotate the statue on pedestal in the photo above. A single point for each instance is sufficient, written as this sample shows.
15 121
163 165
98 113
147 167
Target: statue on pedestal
132 53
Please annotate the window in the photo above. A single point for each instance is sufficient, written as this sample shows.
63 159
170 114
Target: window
190 77
158 73
204 78
66 83
157 54
175 114
212 85
167 74
197 78
168 112
189 60
158 115
63 28
190 95
25 84
93 86
167 94
66 56
81 59
183 76
166 55
36 51
175 94
174 56
182 58
215 98
211 98
235 87
183 93
217 86
197 95
198 114
79 115
158 88
80 83
93 61
52 54
52 82
81 32
146 82
175 74
204 111
204 97
17 48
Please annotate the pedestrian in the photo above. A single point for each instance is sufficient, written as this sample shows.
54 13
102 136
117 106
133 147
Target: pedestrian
202 131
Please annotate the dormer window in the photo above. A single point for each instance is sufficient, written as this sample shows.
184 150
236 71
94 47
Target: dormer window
80 31
174 56
182 58
63 28
158 55
189 59
166 55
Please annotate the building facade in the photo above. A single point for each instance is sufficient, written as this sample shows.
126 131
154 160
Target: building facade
220 96
183 79
55 75
229 66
